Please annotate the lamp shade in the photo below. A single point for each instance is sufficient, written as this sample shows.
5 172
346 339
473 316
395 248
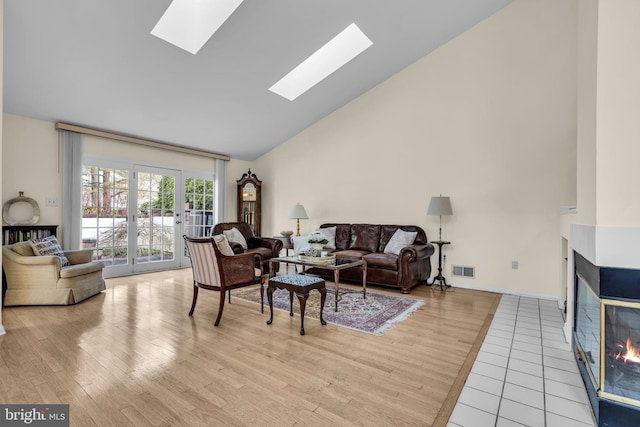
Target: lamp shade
298 212
439 206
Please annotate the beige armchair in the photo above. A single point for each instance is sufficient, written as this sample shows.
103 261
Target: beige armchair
40 280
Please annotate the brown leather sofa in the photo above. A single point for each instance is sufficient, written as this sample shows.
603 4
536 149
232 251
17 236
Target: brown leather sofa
267 247
410 268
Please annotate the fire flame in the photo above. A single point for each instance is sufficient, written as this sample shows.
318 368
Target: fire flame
632 354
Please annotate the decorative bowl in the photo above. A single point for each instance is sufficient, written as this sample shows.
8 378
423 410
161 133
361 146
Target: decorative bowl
286 233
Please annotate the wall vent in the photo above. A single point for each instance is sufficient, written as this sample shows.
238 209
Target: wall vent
462 271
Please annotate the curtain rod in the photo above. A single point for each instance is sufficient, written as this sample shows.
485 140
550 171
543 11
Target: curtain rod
140 141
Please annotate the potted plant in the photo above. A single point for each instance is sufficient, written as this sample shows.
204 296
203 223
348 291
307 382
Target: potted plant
317 240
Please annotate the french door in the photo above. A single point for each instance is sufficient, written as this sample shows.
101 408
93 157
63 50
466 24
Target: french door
199 215
134 216
157 220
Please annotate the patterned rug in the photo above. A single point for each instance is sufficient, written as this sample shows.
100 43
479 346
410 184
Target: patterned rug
375 315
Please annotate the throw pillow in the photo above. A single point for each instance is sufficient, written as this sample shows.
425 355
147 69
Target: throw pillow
23 248
223 245
330 234
399 240
234 235
300 244
49 246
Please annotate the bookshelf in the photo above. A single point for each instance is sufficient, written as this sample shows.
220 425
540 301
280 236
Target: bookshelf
19 233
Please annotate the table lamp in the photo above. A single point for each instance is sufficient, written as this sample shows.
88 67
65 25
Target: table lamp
298 213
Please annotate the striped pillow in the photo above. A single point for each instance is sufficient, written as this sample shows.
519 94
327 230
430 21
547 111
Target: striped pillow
49 246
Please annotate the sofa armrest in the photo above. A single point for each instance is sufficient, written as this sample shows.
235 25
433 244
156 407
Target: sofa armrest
415 252
80 256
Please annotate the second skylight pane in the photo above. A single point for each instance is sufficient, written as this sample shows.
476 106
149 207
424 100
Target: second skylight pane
333 55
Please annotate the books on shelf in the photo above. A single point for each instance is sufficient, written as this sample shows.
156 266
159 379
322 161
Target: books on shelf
12 234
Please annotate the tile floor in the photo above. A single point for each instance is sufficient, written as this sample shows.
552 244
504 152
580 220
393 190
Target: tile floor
525 373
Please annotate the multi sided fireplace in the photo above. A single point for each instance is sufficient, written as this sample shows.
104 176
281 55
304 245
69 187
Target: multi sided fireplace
607 340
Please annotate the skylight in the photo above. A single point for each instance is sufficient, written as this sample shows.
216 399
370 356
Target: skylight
188 24
337 52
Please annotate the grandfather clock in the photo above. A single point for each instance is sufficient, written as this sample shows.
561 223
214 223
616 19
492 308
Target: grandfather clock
250 201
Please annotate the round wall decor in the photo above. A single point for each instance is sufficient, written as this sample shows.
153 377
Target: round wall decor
6 215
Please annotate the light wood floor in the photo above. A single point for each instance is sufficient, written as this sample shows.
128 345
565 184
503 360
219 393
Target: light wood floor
132 356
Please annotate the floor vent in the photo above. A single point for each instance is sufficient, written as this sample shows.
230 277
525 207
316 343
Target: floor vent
459 270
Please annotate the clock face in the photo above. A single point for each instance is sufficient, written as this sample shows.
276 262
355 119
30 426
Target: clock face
249 192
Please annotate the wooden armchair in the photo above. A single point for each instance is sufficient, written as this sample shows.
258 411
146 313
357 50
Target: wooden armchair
217 272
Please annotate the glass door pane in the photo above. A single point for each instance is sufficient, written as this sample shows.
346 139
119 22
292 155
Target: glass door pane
199 217
156 227
105 199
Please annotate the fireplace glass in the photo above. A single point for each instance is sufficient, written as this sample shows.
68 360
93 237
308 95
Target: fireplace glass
622 350
587 328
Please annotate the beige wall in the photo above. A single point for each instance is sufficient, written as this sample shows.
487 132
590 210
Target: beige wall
586 101
235 169
489 120
30 163
618 110
29 142
1 143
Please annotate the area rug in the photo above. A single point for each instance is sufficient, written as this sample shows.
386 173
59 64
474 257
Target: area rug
374 315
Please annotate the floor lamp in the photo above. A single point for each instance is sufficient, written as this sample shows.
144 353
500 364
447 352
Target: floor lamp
439 206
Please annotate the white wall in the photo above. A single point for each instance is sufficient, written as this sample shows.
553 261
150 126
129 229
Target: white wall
489 119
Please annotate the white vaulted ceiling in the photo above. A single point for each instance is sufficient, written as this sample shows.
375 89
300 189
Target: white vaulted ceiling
94 63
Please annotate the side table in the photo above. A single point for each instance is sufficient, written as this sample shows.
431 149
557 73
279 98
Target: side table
286 244
440 278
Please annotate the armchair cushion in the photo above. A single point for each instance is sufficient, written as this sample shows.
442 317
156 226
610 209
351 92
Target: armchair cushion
23 248
223 245
49 246
80 269
266 247
234 235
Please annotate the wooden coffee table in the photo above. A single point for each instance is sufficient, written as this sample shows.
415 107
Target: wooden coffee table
336 265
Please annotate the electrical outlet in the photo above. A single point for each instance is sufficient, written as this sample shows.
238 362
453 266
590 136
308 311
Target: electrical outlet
51 202
444 257
514 265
